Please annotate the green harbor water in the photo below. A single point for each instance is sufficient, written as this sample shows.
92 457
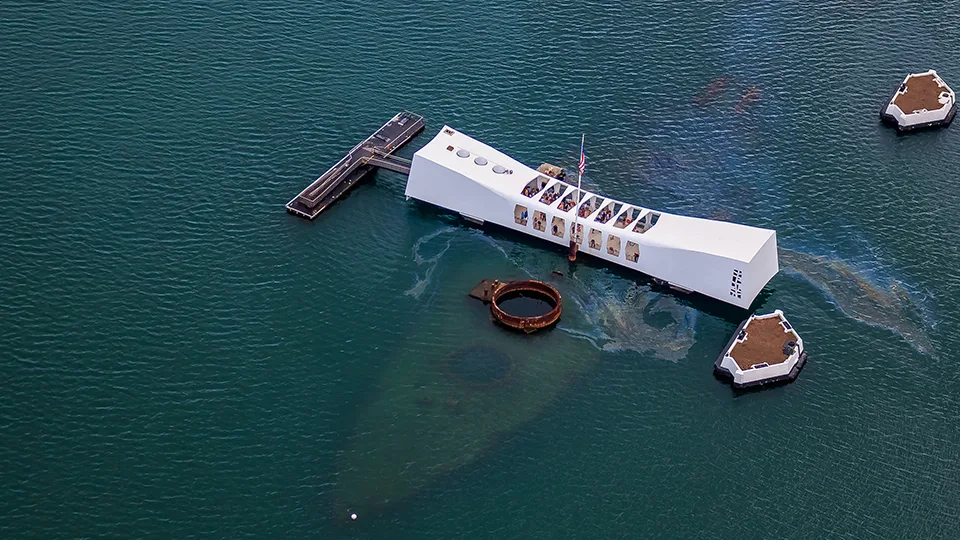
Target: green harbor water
182 359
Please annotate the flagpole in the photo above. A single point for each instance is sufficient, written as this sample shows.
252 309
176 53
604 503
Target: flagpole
572 256
579 173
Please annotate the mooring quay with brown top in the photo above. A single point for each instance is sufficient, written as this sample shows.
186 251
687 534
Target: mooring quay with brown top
919 92
765 346
922 100
765 349
375 151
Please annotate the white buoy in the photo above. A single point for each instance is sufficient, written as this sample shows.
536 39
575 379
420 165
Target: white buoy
353 516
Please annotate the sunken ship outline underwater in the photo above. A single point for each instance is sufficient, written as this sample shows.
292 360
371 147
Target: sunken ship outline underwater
725 261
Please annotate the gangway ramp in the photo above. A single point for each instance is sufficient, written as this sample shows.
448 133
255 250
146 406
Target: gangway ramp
373 152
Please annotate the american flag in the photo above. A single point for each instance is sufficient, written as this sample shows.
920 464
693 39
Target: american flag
583 159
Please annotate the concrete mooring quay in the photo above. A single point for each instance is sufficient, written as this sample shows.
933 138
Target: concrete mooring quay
375 151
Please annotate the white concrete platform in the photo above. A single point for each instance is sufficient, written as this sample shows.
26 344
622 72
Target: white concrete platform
725 261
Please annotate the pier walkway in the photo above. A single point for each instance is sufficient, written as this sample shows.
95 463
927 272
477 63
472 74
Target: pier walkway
375 151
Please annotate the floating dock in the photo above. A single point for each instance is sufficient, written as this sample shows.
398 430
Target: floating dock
375 151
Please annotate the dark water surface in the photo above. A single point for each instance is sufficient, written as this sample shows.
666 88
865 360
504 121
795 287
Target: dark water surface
521 305
182 359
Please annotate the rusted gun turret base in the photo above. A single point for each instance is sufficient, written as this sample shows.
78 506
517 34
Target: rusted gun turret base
484 290
491 290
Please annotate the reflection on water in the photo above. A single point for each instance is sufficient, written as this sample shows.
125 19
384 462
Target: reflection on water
892 308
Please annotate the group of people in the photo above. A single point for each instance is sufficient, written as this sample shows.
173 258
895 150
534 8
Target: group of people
604 215
641 225
530 191
549 197
522 218
538 224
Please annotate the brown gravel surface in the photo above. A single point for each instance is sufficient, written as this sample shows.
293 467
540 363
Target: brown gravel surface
765 339
922 93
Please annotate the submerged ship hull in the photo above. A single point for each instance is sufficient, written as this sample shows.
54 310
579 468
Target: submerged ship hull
454 384
455 388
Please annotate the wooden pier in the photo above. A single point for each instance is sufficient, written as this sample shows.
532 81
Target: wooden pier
375 151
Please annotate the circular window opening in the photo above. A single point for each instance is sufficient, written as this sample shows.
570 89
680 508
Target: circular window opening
499 169
463 153
480 161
